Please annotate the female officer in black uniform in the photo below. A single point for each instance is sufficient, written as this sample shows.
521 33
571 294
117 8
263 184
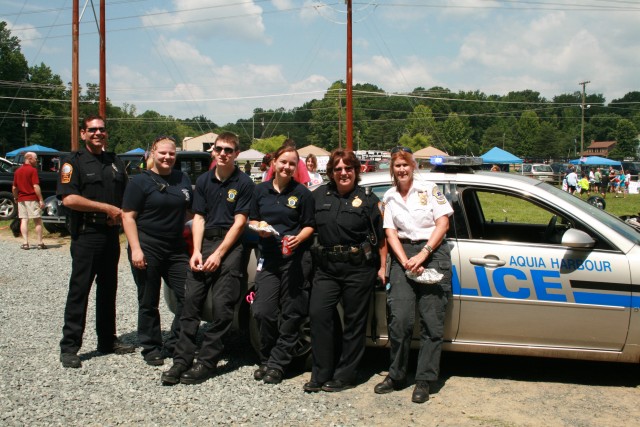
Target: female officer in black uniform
287 206
154 209
350 254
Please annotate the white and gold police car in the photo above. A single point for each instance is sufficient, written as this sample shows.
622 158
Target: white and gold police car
537 271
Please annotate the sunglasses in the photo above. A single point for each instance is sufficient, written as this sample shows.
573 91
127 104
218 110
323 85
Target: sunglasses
346 169
227 150
394 150
94 130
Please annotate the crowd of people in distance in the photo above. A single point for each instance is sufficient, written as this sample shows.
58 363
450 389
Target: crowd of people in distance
597 181
316 250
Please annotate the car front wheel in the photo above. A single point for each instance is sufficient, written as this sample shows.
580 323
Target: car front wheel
8 208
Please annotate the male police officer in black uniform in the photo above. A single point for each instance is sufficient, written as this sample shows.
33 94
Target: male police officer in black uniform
92 182
221 203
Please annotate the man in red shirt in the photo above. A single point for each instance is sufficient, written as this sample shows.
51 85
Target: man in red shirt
26 192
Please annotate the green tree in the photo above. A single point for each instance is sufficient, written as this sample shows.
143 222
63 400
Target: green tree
527 130
14 74
269 145
627 140
456 131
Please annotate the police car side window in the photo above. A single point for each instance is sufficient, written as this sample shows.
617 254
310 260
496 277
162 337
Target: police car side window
493 215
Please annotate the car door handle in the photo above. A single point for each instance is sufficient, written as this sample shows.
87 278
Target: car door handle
488 261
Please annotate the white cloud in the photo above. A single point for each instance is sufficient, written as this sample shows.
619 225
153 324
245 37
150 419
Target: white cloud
205 19
383 72
26 33
282 4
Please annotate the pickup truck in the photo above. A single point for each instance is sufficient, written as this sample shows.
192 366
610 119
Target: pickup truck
48 166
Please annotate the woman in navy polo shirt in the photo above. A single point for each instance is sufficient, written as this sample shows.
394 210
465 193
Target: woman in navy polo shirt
154 209
288 207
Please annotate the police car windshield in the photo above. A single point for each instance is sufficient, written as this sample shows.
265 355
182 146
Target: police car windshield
611 221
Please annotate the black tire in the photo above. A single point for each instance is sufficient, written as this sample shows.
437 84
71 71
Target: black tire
55 228
598 202
8 207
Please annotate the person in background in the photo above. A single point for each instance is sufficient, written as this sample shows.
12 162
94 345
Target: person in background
416 220
572 180
221 203
247 168
154 210
613 180
604 184
495 168
92 184
265 165
27 194
281 297
301 176
592 180
312 167
583 185
622 183
597 183
350 255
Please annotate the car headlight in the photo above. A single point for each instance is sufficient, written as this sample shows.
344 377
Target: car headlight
52 207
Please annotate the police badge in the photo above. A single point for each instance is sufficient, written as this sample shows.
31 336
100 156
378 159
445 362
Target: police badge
357 201
292 202
439 196
231 195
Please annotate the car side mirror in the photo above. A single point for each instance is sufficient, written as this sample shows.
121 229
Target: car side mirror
577 239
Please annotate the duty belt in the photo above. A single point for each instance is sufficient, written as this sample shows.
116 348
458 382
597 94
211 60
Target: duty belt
211 233
355 254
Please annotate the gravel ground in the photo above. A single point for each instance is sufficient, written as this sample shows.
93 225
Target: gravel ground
475 390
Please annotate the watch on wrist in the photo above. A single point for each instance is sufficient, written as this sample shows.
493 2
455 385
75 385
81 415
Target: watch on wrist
428 249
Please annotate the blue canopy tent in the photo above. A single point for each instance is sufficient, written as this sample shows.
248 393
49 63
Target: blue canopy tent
499 156
595 161
35 147
136 151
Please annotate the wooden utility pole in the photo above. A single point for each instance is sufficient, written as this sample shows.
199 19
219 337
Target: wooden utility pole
582 107
349 144
103 67
75 30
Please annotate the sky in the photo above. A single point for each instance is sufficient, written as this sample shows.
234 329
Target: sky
223 58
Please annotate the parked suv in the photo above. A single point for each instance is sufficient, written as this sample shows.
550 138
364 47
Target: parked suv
193 163
48 166
540 171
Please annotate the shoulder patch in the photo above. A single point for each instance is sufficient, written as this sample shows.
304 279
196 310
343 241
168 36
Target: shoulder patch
439 196
65 173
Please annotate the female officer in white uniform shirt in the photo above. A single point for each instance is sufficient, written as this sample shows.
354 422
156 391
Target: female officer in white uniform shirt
416 219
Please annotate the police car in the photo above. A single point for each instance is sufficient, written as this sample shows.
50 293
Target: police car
536 271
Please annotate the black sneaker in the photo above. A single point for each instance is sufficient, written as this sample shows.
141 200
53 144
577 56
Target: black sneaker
273 376
172 376
259 373
70 360
117 347
198 373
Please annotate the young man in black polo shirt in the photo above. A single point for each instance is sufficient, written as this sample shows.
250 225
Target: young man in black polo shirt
221 203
